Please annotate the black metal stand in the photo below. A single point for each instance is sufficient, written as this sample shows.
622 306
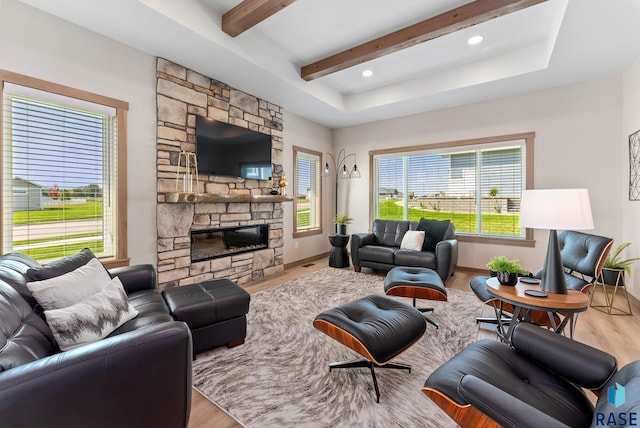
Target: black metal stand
371 365
500 318
424 310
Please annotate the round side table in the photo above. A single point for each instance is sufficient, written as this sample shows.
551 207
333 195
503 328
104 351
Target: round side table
338 257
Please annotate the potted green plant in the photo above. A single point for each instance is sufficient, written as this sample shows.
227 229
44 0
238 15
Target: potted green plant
615 266
341 221
506 270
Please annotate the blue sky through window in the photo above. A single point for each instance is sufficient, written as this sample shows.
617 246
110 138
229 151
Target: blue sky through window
54 144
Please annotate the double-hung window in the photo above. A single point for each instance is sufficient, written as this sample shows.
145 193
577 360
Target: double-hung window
477 184
307 185
63 183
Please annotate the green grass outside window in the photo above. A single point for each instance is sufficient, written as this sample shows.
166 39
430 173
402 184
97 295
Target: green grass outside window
494 224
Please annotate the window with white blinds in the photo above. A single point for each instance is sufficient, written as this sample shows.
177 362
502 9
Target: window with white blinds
307 184
59 174
476 184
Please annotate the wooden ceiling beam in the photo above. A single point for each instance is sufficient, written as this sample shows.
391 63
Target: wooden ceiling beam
448 22
249 13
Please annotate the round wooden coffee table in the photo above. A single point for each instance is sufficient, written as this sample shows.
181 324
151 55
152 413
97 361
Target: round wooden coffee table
568 305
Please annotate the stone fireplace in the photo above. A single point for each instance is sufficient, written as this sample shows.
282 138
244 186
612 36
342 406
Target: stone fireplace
222 203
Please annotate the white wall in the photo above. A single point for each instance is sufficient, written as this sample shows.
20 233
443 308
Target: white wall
630 209
577 144
61 52
39 45
302 132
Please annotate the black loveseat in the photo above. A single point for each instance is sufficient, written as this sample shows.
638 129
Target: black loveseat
140 375
381 250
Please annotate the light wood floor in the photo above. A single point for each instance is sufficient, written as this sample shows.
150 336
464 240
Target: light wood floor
613 334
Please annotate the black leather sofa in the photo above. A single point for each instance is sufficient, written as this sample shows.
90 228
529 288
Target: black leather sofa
138 376
380 249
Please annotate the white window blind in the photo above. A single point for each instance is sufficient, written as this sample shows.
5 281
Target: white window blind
477 187
390 180
307 186
59 175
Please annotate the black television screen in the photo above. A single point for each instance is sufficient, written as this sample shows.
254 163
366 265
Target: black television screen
229 150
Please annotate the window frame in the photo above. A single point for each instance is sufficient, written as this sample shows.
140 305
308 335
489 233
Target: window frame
316 230
528 138
121 257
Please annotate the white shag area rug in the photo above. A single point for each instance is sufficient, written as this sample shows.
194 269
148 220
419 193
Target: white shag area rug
280 376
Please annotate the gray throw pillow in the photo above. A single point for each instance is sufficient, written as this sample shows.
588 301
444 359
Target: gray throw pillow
91 319
70 288
61 266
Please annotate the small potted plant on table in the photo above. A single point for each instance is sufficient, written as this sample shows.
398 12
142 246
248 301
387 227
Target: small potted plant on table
506 270
341 221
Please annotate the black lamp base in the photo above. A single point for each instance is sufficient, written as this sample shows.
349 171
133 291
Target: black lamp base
553 280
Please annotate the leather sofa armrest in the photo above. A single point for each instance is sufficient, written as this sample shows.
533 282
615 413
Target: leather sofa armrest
502 407
446 257
136 277
360 240
581 364
139 378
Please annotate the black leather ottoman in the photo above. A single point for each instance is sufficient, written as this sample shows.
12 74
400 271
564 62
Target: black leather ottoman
215 311
377 327
415 283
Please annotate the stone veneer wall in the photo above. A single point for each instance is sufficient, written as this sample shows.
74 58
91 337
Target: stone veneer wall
181 95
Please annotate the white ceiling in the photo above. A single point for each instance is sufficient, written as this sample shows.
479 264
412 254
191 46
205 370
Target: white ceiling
551 44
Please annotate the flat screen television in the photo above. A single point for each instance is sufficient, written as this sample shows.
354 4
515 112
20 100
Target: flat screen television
229 150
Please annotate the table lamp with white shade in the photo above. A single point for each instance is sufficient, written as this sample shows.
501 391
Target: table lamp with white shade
555 209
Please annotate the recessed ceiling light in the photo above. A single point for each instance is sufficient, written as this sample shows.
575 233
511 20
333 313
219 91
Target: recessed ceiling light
367 73
475 40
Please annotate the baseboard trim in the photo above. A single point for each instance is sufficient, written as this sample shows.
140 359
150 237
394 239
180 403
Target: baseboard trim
324 255
473 270
305 261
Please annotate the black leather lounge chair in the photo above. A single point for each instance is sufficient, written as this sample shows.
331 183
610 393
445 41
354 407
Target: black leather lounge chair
536 383
582 256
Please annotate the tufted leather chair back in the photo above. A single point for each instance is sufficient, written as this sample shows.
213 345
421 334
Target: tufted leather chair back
583 253
24 336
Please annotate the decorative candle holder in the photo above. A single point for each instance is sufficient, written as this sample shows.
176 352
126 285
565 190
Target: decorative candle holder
190 165
283 185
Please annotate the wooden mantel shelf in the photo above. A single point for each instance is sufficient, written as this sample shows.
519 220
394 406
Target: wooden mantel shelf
181 197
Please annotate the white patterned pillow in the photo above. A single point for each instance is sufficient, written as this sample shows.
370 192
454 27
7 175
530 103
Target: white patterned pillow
412 240
91 319
68 289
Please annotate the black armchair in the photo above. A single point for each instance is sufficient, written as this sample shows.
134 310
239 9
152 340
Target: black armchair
536 383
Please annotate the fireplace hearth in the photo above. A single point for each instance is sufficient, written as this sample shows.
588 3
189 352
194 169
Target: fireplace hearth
214 243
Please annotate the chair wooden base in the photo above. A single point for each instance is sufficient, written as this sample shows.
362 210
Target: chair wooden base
465 416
